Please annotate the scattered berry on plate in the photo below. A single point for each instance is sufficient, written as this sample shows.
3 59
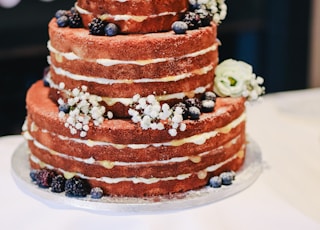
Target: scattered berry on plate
215 182
58 184
96 193
76 187
227 178
44 178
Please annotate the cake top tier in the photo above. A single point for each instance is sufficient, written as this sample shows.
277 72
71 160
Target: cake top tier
134 16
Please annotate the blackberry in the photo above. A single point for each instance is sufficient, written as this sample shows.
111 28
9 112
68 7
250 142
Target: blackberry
111 29
96 27
184 109
192 20
96 193
194 113
207 106
179 27
193 102
44 178
205 17
75 20
63 21
209 95
58 184
76 187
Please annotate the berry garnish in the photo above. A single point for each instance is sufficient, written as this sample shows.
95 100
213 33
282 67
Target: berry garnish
33 174
192 20
58 184
63 21
44 178
207 106
209 95
184 109
205 17
215 182
194 113
227 178
60 13
64 108
45 77
179 27
96 27
193 102
75 20
111 29
76 187
96 193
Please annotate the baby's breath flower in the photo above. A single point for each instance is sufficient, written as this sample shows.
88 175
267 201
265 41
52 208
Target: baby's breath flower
84 108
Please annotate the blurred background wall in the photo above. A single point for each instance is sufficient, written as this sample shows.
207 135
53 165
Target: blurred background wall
274 36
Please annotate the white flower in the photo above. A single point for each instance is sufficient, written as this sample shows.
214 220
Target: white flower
235 79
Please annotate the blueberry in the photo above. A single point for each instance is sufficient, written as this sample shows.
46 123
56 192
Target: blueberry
207 106
60 13
58 184
215 182
227 178
96 193
209 95
76 187
179 27
111 29
63 21
194 113
33 174
64 108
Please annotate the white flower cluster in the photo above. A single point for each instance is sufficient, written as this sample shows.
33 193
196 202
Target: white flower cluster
235 79
217 7
151 115
84 108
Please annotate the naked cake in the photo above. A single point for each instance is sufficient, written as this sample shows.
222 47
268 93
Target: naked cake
135 102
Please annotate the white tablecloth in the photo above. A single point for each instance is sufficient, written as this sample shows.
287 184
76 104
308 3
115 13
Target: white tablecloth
286 195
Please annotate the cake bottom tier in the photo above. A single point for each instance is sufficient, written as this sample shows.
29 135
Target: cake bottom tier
156 164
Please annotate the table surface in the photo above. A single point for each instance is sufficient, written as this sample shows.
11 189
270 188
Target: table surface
285 125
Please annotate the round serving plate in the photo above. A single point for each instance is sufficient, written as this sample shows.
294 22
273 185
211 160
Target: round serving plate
246 176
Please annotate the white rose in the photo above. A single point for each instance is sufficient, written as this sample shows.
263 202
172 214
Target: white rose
232 78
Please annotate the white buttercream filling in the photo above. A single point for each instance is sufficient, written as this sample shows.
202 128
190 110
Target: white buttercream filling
136 180
198 139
